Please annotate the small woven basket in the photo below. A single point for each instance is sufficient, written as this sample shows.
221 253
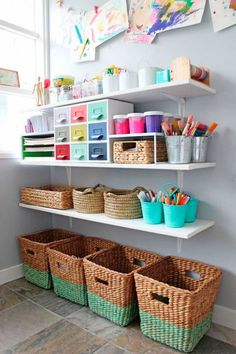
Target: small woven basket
50 196
126 152
161 151
176 298
33 250
89 200
66 264
123 204
110 282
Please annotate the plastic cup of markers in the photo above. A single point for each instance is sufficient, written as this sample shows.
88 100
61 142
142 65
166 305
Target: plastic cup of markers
152 212
192 209
174 215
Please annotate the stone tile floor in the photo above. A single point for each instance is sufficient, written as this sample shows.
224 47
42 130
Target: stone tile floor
35 321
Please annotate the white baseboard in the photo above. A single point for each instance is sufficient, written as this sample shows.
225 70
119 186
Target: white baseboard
10 274
224 316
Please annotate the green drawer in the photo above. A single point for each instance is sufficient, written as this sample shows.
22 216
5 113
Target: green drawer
97 111
79 152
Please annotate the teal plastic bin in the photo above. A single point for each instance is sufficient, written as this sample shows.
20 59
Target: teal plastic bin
175 215
192 209
152 212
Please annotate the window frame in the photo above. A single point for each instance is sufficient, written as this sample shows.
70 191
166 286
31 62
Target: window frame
42 50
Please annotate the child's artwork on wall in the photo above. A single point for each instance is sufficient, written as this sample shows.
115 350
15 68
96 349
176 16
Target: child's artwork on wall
149 17
107 21
223 13
82 48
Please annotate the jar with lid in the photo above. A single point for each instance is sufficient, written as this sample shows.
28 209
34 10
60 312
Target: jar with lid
66 93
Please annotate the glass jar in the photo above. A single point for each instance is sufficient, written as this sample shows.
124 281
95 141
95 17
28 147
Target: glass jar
66 93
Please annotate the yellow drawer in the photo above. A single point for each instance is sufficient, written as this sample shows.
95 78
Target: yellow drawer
79 133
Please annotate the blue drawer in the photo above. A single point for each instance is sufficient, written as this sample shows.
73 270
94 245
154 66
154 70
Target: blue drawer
98 152
97 131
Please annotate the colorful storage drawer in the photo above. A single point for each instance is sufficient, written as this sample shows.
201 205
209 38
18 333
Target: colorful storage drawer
61 115
79 152
33 249
62 135
97 111
78 114
66 264
98 151
110 282
176 298
97 131
79 132
63 152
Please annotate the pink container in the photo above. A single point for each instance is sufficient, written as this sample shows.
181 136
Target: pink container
136 123
121 124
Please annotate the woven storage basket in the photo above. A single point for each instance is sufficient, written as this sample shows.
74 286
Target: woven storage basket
161 152
55 197
66 264
33 249
110 282
89 200
133 151
175 308
123 204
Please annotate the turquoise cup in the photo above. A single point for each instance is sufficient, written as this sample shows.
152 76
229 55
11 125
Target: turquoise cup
152 212
175 215
192 208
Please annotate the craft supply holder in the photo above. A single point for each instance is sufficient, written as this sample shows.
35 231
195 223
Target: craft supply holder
182 69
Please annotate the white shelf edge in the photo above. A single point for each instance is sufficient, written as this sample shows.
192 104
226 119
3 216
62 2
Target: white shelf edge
133 135
158 166
119 94
186 232
38 134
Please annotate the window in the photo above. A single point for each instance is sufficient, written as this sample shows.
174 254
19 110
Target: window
22 39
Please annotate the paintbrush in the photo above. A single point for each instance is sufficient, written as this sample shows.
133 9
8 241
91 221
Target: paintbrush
211 129
187 126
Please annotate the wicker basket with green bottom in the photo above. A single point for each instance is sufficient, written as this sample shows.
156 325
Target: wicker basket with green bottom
176 298
33 249
66 264
110 282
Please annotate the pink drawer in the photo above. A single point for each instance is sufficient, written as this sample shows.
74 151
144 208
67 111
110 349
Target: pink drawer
63 152
78 114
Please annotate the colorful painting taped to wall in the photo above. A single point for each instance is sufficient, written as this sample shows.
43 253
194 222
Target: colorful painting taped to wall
107 21
149 17
223 13
82 48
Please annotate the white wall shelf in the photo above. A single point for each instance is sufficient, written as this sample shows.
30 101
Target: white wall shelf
186 232
158 166
39 134
174 89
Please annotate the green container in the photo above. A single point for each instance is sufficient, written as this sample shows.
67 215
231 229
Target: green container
192 209
152 212
174 215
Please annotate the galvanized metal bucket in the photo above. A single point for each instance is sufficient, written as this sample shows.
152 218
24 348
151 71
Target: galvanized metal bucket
200 145
179 149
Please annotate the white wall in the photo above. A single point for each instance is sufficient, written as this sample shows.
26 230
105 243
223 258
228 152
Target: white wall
216 188
15 221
